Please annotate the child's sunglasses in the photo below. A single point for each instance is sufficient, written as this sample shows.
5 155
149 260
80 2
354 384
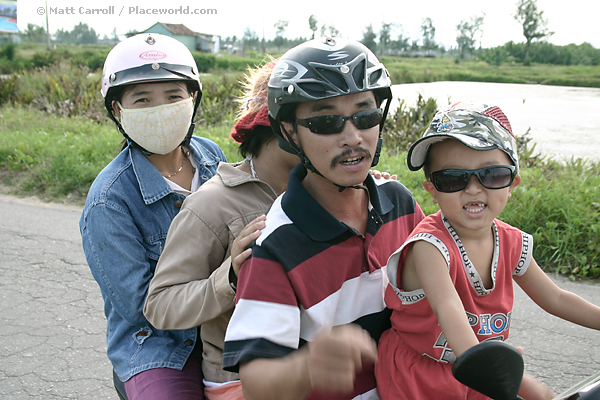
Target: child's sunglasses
331 124
455 180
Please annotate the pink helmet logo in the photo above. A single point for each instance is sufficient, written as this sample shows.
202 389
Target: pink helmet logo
152 55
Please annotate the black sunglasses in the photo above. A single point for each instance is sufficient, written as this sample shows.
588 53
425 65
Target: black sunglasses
455 180
331 124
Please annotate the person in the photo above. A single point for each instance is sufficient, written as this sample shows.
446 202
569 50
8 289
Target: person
451 281
195 279
309 300
151 88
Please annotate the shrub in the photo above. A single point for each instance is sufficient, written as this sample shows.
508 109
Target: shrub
62 89
205 62
218 105
406 124
8 88
43 59
558 204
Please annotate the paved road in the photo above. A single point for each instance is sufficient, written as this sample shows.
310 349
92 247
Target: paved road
52 325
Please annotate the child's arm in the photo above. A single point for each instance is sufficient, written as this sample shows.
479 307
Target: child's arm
531 389
556 301
432 272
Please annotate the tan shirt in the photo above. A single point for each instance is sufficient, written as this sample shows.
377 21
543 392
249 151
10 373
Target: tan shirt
191 284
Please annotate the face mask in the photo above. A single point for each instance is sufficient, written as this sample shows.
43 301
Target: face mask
158 129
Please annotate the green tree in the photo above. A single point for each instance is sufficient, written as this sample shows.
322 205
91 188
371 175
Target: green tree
467 32
402 43
34 33
533 23
250 40
312 23
428 34
280 27
385 34
81 33
369 38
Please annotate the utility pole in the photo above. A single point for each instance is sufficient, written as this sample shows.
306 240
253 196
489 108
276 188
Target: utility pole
47 27
264 49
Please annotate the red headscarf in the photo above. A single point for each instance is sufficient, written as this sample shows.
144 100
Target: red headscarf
248 123
254 100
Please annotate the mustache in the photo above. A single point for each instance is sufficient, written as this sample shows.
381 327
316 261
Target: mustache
356 150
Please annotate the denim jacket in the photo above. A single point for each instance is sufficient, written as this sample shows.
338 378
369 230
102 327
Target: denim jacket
123 227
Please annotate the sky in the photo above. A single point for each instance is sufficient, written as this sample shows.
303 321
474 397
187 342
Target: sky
574 21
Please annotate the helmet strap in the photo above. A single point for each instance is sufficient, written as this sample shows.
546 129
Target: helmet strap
380 139
377 151
188 137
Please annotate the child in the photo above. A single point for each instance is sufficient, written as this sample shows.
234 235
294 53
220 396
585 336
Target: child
462 260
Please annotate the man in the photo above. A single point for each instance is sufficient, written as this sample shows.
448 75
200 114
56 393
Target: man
310 299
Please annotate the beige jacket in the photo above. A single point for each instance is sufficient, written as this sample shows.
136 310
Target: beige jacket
191 284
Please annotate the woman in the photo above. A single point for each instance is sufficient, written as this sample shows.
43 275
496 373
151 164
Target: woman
151 88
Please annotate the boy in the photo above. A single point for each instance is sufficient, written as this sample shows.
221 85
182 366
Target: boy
462 260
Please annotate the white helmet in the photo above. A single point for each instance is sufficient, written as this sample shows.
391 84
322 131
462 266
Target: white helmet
145 58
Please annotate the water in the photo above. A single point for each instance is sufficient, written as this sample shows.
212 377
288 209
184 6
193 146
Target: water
564 121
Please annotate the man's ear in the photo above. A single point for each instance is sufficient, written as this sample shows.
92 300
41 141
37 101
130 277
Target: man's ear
428 185
290 129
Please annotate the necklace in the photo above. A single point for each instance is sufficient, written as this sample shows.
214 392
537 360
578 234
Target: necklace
186 155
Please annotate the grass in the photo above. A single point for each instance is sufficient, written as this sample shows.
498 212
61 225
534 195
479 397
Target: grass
53 157
56 157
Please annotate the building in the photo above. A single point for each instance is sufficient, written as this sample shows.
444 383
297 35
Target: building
194 41
9 32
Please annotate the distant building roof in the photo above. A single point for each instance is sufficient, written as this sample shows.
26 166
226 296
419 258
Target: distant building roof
179 29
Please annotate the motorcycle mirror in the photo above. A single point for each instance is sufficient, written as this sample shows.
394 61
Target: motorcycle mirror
493 368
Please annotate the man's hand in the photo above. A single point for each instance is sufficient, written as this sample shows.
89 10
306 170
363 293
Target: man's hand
336 356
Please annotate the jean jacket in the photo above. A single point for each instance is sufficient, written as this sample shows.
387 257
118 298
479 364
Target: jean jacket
124 225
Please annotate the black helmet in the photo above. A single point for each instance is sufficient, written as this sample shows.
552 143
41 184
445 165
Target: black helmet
321 69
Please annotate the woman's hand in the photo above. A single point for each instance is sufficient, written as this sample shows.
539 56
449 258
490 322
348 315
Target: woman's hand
385 175
239 252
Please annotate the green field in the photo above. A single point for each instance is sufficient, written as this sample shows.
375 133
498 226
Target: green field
412 70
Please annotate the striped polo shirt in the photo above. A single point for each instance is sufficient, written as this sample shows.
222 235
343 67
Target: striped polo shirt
309 272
